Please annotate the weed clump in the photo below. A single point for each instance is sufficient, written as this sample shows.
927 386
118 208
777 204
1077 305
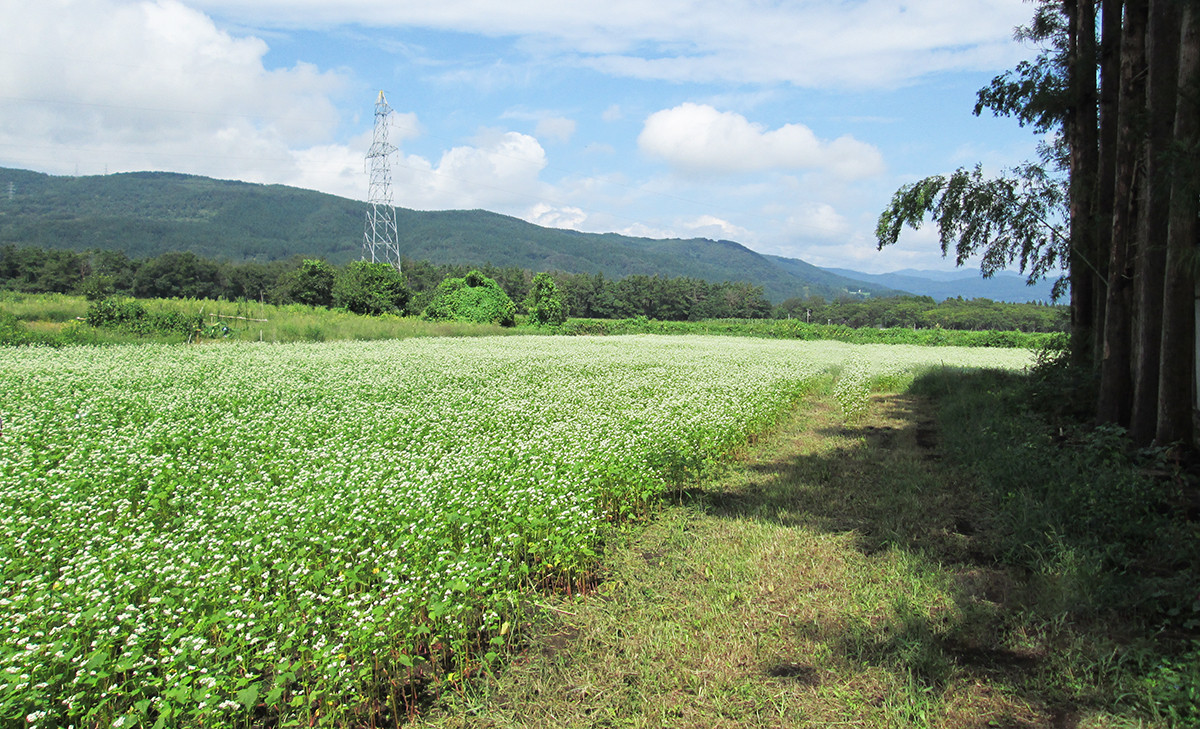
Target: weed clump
472 298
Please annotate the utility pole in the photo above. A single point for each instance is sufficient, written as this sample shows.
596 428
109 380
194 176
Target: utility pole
380 242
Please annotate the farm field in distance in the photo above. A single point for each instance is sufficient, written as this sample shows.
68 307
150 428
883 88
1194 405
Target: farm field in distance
246 533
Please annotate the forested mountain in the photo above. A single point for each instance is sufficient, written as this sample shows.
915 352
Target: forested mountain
145 214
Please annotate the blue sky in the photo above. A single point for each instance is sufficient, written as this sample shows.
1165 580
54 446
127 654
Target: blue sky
785 126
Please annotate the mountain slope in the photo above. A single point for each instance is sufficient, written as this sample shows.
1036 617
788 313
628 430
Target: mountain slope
148 213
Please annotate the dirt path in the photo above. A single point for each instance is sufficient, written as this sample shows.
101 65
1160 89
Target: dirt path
837 575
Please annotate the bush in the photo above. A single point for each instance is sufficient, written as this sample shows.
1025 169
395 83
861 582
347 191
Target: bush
130 316
474 298
118 313
370 288
97 287
545 303
312 283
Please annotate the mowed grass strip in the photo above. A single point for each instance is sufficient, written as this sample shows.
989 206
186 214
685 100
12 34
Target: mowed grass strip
839 574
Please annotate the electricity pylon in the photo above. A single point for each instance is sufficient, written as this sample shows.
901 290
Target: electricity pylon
380 242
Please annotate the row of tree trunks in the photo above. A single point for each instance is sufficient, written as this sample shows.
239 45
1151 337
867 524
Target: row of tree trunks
1144 203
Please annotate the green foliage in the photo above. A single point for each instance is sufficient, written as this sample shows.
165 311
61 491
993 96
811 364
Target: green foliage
1104 529
308 281
851 389
97 286
117 312
474 297
310 608
312 283
364 287
132 317
1172 689
922 312
545 304
177 274
1008 219
15 333
793 329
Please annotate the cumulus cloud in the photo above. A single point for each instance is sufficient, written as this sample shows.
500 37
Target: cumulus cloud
151 85
500 170
710 226
697 138
549 216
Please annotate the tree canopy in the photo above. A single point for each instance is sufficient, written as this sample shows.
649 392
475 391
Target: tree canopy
1113 202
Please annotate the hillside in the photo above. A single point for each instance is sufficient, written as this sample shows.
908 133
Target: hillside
149 213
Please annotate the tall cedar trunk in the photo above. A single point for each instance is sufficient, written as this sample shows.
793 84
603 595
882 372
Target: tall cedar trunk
1175 395
1115 401
1109 57
1081 131
1162 39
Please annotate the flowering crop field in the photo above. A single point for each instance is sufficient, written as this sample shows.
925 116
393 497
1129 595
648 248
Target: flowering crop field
249 534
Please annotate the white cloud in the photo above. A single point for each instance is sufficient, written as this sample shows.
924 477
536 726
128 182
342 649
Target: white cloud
556 128
869 43
818 221
549 126
500 171
858 251
613 113
549 216
697 138
151 85
710 226
122 85
641 230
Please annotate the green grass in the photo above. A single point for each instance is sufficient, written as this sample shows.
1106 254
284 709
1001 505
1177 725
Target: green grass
795 329
58 318
54 316
838 574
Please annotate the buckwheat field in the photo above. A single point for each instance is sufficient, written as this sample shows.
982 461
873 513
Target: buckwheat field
237 535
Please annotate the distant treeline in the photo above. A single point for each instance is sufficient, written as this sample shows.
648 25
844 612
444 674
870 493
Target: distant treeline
922 312
100 273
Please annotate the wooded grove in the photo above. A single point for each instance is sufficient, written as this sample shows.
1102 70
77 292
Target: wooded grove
1112 203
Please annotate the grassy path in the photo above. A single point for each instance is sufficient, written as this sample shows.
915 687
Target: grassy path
838 575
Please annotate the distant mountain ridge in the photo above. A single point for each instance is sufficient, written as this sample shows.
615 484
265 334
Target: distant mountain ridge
967 283
149 213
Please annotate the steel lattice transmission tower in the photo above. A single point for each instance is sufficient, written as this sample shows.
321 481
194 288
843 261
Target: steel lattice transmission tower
379 239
